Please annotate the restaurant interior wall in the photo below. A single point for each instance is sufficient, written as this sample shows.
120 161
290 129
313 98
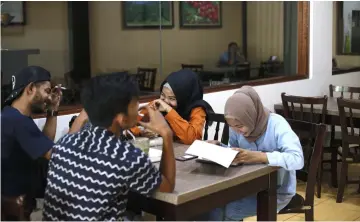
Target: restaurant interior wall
114 48
321 39
45 29
265 31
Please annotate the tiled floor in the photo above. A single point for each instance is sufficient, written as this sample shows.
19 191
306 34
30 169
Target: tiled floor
326 208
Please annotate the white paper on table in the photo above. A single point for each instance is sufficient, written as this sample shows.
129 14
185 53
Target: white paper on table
155 155
217 154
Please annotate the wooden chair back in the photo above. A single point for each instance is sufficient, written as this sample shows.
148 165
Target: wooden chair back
146 78
218 119
194 67
353 91
347 120
312 137
350 135
292 112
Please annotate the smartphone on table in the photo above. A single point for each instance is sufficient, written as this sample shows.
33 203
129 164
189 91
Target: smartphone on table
185 157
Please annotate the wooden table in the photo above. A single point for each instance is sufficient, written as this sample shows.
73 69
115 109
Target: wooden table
201 188
332 116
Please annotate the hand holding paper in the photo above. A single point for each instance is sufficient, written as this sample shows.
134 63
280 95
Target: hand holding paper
248 156
217 154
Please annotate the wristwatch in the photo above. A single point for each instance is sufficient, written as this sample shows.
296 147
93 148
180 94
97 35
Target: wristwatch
50 113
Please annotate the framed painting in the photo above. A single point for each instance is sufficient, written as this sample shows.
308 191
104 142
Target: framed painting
147 14
12 13
200 14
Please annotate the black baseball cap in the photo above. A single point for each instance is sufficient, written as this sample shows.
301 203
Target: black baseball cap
30 74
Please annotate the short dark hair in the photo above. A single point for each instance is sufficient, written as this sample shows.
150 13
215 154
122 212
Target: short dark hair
231 44
107 95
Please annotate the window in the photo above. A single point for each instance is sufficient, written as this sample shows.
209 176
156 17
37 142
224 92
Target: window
346 37
227 43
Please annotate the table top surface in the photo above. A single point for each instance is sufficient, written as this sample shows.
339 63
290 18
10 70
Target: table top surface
332 108
194 179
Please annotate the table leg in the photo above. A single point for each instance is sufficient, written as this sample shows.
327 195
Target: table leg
266 201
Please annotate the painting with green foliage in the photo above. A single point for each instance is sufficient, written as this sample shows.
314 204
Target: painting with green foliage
200 14
143 14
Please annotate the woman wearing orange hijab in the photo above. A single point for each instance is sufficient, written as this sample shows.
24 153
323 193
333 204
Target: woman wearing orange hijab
181 102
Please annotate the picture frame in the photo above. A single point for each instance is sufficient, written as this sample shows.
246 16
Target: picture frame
200 14
144 14
13 13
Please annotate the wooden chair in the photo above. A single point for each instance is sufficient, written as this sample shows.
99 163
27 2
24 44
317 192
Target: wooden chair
15 208
290 112
348 138
218 118
311 136
243 70
335 142
194 67
146 78
352 91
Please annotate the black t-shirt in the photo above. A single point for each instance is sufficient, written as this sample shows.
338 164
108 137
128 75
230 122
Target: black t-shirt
22 143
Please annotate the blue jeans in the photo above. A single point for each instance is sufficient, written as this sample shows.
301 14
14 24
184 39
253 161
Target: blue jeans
239 209
234 211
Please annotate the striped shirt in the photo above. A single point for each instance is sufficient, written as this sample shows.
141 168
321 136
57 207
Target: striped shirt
90 174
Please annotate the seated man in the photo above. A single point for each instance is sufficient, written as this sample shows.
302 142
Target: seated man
22 143
232 56
92 171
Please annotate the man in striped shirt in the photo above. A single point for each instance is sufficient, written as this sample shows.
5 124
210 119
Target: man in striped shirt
92 171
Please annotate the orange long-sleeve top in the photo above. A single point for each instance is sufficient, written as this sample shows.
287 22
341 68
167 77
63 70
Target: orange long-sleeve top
186 131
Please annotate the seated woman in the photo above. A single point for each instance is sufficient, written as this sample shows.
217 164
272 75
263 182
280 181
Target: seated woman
260 137
181 102
232 56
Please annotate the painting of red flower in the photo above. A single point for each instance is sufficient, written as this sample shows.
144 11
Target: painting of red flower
200 14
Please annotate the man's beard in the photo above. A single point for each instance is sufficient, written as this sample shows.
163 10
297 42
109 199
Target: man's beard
37 106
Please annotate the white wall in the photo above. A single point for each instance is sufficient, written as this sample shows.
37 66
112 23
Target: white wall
320 70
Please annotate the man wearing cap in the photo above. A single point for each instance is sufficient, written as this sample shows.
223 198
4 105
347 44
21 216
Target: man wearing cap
22 143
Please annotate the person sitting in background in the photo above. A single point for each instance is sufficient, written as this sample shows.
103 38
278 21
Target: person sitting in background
260 137
22 143
181 102
232 56
92 171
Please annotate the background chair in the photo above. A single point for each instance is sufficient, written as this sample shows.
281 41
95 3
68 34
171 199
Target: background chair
194 67
297 113
218 119
350 152
312 137
146 78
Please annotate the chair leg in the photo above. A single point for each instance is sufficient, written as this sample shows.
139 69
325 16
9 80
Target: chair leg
309 214
319 177
342 182
334 181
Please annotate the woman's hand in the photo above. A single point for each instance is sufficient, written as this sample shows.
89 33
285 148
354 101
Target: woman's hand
248 156
161 106
157 123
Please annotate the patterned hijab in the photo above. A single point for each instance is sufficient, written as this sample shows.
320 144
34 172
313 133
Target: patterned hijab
246 108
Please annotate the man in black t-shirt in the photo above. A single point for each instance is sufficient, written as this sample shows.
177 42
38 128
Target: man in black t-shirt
22 142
